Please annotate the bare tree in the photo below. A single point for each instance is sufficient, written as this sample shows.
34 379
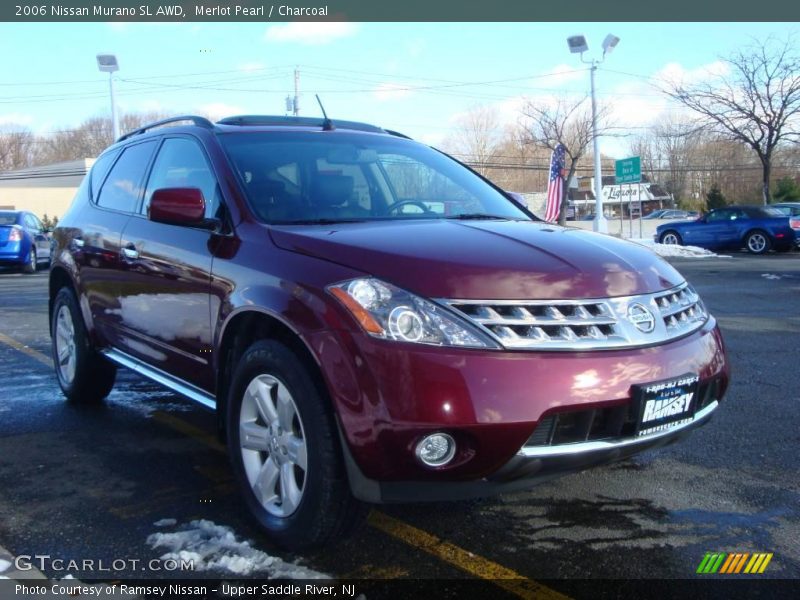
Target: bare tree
667 150
16 148
478 137
564 121
89 138
757 103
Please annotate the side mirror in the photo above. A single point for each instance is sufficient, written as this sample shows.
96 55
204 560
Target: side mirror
177 206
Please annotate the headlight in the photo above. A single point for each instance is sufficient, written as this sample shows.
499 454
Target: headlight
385 311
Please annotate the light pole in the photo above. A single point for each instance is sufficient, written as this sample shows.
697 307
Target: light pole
577 45
107 63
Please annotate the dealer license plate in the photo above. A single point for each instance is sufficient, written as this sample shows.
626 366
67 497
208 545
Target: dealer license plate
665 404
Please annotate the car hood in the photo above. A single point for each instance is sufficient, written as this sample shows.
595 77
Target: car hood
500 260
677 222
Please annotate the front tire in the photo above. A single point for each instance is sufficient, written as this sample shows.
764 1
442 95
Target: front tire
671 238
32 263
84 375
757 242
283 444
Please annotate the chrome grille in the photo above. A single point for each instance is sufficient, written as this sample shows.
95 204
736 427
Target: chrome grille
681 309
593 324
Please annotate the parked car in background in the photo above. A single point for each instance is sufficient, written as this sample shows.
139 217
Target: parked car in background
371 320
24 241
675 214
757 228
656 214
790 209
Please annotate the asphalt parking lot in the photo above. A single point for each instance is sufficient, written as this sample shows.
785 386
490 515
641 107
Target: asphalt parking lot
78 482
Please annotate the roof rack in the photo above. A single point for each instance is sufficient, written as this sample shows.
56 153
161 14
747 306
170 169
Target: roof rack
397 134
269 120
199 121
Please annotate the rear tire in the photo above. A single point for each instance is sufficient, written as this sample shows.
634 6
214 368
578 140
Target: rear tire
84 375
671 238
284 446
757 242
31 264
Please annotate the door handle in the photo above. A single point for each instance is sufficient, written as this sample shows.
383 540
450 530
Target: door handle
130 252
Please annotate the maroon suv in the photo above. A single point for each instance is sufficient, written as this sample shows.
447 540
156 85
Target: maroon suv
372 321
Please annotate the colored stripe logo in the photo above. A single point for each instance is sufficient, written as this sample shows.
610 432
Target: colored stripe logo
734 563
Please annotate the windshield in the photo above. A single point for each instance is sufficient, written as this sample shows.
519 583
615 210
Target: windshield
323 177
8 218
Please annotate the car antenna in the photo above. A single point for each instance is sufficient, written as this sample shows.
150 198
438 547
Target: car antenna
327 124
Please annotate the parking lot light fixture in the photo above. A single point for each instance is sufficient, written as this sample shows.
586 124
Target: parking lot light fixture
107 63
578 45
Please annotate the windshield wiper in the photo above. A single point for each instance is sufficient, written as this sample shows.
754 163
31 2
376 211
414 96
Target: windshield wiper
318 221
477 217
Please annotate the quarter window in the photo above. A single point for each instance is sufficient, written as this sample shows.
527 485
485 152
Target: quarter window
100 170
123 187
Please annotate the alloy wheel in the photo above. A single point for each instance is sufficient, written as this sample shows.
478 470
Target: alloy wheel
66 352
273 445
670 239
756 243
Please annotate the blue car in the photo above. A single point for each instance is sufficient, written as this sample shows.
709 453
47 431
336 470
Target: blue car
23 241
757 228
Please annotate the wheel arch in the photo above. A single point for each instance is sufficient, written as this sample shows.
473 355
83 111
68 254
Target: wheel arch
59 278
670 230
756 228
243 328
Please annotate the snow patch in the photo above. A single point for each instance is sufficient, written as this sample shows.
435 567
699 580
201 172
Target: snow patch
146 403
215 547
4 565
165 522
673 251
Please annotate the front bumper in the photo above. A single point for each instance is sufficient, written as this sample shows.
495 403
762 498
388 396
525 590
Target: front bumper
526 469
388 395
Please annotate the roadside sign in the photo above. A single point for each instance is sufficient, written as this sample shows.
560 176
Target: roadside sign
628 170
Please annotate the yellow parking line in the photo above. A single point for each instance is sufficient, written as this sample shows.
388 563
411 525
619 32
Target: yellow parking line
188 429
468 562
19 346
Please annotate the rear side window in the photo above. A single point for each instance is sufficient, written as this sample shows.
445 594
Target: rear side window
100 170
123 187
181 163
33 224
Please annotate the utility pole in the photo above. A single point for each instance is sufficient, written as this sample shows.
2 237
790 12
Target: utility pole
600 222
296 103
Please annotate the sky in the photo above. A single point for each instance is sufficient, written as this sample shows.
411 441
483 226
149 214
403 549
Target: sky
416 78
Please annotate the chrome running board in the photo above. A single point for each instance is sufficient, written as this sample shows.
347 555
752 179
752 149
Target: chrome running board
176 385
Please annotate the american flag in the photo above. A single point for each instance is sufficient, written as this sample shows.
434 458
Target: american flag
555 185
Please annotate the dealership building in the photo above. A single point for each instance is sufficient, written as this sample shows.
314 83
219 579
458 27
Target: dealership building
44 190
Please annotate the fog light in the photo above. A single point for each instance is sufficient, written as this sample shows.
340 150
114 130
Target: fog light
436 449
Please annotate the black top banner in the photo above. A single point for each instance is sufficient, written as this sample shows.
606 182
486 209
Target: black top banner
405 10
